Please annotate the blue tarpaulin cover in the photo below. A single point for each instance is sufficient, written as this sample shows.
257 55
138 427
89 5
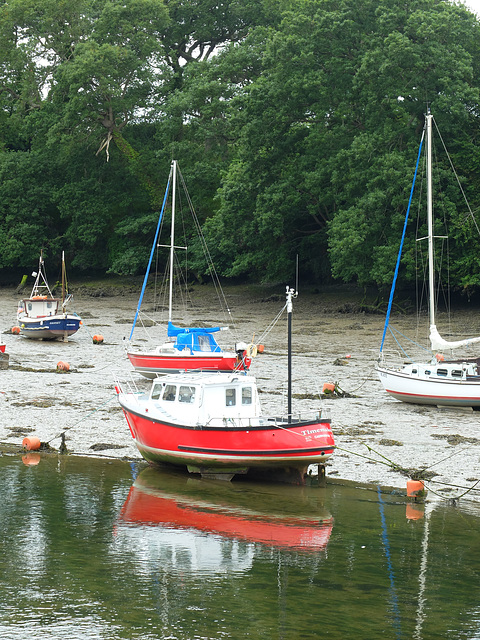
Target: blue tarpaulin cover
194 338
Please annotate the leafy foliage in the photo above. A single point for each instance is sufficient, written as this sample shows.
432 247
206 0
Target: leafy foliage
296 125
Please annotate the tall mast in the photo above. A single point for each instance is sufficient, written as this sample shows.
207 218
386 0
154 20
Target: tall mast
172 240
63 277
431 273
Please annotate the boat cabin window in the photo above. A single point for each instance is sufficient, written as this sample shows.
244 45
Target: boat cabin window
442 372
157 391
230 397
170 392
247 395
49 305
204 343
29 306
427 372
456 373
186 394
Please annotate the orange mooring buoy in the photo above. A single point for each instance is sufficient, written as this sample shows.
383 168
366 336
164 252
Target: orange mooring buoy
328 387
97 339
415 488
63 366
31 459
260 348
16 330
32 443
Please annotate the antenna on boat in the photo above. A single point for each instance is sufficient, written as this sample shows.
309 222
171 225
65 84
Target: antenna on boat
296 276
291 293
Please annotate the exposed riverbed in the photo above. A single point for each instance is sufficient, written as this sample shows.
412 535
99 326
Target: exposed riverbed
332 343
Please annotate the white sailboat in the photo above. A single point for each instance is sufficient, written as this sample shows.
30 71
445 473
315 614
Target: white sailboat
439 381
186 348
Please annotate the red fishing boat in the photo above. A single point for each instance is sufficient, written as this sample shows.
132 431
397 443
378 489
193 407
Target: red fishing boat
185 348
213 425
161 500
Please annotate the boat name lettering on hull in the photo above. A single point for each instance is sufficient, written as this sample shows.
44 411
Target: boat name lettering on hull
309 432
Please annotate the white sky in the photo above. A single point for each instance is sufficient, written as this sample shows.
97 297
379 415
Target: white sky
474 5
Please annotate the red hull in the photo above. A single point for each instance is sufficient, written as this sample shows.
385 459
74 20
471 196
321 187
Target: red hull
146 505
2 348
296 445
149 364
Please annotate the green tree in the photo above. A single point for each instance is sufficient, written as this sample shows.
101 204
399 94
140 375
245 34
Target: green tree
328 133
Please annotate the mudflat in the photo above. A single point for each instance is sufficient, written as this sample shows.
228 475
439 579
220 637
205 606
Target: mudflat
379 441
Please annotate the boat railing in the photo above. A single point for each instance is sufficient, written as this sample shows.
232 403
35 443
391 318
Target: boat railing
235 422
324 414
125 385
260 421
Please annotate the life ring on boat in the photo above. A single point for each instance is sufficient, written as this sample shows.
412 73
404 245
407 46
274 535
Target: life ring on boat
251 351
39 297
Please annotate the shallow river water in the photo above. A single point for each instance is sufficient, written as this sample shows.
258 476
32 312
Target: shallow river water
114 550
372 431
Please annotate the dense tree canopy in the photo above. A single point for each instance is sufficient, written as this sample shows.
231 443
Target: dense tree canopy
296 124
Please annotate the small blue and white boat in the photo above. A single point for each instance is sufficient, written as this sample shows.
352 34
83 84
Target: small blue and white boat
44 317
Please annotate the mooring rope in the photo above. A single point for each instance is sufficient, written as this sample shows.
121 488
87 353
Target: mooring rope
406 472
81 420
271 325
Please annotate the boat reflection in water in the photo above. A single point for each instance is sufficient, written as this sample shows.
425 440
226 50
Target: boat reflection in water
194 518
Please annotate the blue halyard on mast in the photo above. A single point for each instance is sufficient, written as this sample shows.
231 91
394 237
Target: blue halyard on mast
397 267
145 280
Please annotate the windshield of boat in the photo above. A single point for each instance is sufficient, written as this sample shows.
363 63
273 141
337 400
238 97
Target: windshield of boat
186 394
168 392
204 342
231 396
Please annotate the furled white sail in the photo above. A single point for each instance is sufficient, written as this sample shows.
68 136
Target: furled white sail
439 344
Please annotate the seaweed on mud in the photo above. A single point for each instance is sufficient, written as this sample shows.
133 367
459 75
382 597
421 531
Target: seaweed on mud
414 474
19 367
358 431
341 362
14 431
305 396
101 446
455 438
386 442
41 403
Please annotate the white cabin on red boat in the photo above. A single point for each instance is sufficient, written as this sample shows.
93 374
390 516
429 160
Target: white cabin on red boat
214 400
